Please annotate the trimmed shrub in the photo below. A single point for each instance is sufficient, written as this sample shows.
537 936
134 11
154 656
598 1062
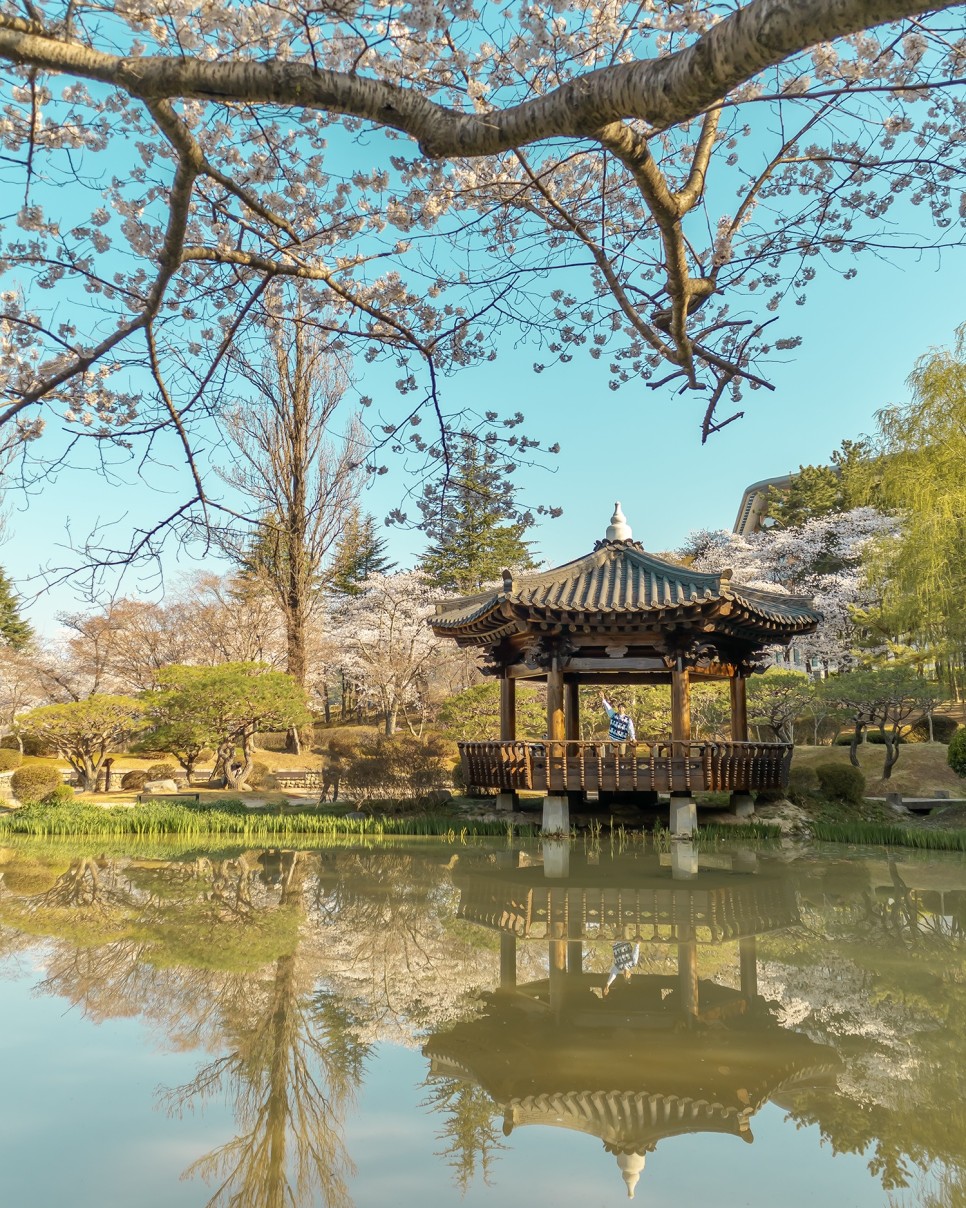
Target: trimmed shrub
943 729
162 771
34 782
261 776
63 794
802 783
956 753
135 780
9 759
398 768
841 782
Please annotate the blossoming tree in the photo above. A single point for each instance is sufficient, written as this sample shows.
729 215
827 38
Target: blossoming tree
649 183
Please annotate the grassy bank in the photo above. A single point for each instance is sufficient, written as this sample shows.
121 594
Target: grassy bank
921 769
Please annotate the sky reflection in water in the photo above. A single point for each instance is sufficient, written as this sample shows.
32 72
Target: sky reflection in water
424 1025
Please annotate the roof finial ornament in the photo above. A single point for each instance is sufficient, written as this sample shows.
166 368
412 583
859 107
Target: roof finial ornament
619 529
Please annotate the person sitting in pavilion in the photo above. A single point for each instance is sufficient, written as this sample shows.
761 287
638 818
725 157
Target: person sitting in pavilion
621 728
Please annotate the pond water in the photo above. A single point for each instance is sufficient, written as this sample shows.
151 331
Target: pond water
425 1025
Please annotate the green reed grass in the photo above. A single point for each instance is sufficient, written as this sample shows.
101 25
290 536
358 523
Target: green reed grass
231 818
877 834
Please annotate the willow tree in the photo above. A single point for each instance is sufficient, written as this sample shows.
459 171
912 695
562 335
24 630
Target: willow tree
921 473
654 185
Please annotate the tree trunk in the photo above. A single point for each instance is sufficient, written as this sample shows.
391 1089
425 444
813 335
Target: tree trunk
857 735
891 741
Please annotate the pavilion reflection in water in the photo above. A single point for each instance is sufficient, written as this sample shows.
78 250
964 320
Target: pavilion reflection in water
663 1054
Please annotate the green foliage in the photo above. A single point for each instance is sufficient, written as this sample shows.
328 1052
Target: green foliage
223 707
474 714
359 553
710 710
802 783
840 782
818 490
35 781
161 771
777 699
9 759
889 836
400 767
84 732
260 777
922 447
63 794
15 632
174 817
956 753
474 528
943 729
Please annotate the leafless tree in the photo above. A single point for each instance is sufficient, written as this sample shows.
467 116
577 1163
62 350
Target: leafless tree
299 475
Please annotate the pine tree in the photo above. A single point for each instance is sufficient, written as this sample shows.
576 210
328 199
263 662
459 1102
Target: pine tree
818 490
359 553
473 524
14 630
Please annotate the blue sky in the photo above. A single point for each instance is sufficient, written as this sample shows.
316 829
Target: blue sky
861 339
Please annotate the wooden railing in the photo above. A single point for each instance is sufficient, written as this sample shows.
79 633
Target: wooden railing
555 766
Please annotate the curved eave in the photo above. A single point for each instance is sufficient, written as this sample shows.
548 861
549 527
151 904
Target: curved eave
617 586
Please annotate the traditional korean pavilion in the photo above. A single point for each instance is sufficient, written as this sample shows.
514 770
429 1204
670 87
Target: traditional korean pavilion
621 616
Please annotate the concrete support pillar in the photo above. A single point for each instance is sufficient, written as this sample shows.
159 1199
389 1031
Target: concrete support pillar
684 815
742 805
556 857
556 816
684 861
506 802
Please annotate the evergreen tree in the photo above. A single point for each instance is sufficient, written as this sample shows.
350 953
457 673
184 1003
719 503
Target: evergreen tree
359 553
14 630
818 490
474 527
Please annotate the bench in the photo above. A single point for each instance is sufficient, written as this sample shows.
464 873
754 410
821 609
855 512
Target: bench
142 797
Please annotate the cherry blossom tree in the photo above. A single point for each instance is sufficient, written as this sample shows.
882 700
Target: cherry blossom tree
821 559
387 647
651 184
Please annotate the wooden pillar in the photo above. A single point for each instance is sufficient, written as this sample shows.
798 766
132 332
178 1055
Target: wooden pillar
739 709
683 816
556 807
556 723
508 960
572 710
748 959
508 708
575 956
680 702
688 977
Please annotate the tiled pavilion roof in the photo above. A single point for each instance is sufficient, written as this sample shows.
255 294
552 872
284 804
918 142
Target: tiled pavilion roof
620 583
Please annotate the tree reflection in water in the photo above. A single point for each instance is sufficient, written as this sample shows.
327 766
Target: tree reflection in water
291 965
